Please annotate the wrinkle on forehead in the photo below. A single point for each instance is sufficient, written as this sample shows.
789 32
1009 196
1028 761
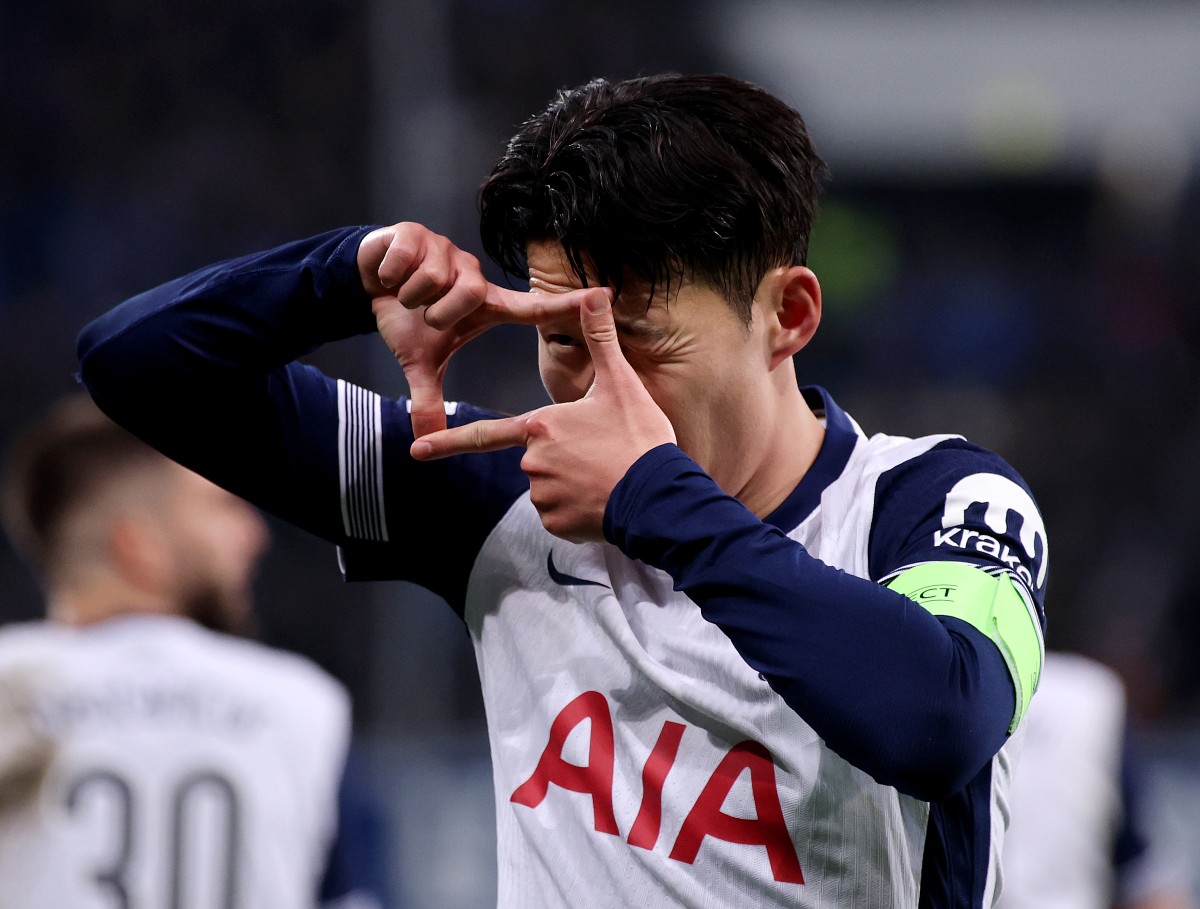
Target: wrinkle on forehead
549 267
642 319
550 270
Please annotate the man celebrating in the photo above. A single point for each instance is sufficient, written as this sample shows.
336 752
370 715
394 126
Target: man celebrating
733 651
145 759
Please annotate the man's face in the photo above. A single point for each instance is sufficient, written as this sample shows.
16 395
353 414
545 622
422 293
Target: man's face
699 362
216 540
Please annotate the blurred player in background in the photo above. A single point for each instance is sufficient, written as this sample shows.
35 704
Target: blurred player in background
733 651
1081 836
149 755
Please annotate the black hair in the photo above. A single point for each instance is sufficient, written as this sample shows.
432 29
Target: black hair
705 178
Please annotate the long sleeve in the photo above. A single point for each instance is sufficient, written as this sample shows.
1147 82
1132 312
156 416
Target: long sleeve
919 702
204 369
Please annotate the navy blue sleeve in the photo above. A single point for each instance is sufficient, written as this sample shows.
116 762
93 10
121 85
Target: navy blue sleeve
1130 841
920 703
357 863
203 368
959 502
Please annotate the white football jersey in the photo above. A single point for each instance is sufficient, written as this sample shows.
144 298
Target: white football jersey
639 758
1077 839
182 768
640 761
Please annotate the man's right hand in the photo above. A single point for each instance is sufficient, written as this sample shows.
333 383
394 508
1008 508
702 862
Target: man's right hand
430 298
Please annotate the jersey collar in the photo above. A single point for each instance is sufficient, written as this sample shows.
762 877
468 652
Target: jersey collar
841 435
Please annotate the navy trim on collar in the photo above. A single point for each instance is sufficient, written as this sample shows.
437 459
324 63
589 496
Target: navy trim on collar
839 442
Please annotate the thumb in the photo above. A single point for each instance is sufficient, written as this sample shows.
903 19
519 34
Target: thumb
600 335
427 405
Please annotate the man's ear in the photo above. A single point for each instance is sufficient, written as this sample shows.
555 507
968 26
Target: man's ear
793 295
137 552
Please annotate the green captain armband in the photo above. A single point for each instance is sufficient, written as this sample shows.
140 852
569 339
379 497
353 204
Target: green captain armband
994 605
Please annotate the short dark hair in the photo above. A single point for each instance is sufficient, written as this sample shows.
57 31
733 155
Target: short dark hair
705 177
59 464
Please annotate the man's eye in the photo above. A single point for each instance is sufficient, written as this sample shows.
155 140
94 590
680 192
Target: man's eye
563 340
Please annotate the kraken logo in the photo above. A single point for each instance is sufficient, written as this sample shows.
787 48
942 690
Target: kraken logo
1001 496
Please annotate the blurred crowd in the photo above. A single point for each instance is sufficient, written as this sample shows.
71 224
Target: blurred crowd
1052 318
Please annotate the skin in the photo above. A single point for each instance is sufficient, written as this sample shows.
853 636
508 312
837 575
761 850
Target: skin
170 543
624 379
1161 901
430 298
217 541
156 540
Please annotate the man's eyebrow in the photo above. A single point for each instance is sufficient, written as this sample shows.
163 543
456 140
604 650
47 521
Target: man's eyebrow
640 329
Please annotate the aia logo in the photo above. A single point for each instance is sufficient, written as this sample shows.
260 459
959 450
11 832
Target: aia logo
705 818
1002 497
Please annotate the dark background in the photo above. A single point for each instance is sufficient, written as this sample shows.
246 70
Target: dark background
1043 303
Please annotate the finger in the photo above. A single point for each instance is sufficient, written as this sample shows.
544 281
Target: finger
372 252
404 249
430 276
466 296
600 335
426 400
502 304
482 435
418 270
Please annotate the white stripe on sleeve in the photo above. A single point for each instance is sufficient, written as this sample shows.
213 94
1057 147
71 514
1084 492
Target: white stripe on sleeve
360 462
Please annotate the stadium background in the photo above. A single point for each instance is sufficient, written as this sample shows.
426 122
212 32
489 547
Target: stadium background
1010 248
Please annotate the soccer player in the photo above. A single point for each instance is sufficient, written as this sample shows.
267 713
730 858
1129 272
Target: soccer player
151 757
1080 836
734 651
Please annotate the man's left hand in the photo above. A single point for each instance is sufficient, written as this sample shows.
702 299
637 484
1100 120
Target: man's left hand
576 452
